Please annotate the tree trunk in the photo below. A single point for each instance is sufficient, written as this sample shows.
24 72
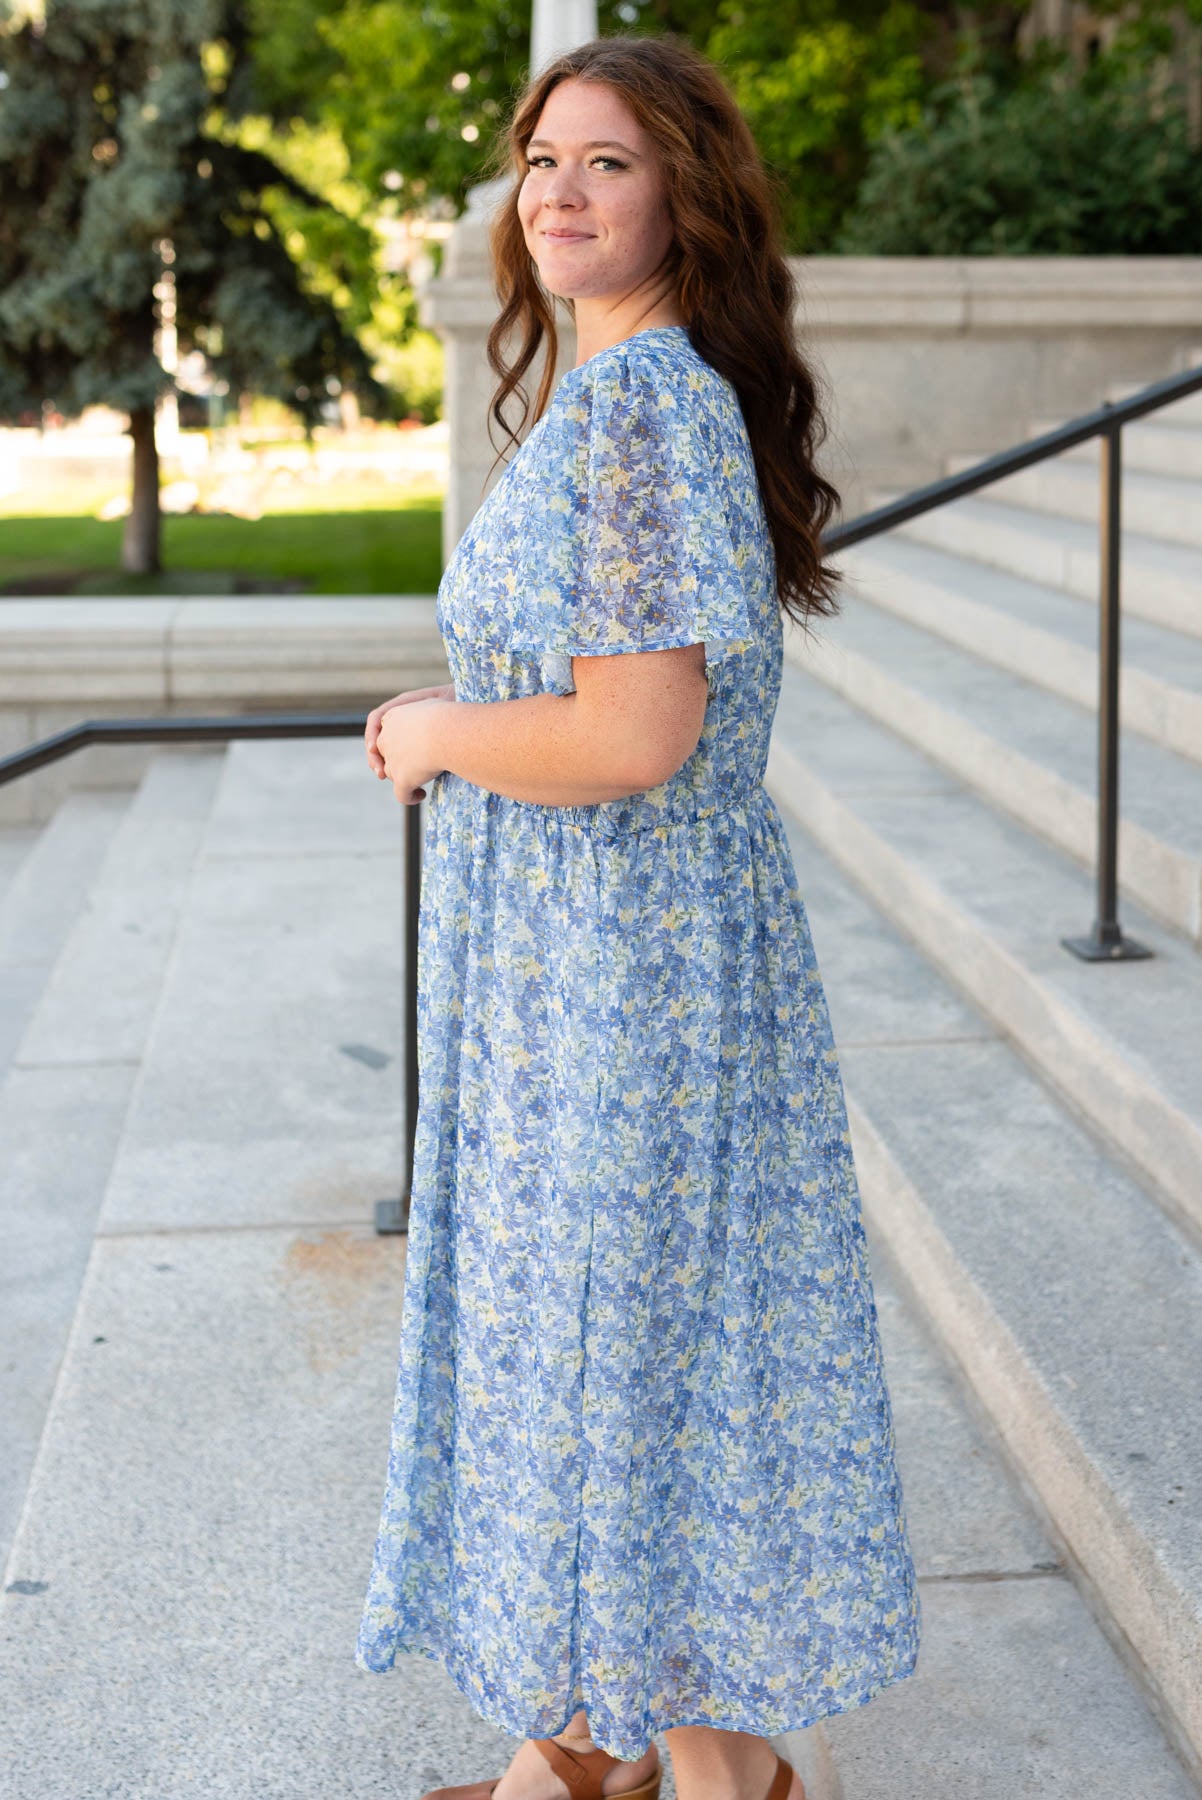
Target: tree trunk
140 542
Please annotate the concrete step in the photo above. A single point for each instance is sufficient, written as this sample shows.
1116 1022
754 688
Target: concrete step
272 1065
1070 1307
221 1428
1161 581
16 841
1026 750
1162 506
989 903
49 869
1186 411
1155 445
223 1365
64 1099
1047 637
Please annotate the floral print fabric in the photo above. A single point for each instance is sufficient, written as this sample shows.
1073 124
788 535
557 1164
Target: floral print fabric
642 1451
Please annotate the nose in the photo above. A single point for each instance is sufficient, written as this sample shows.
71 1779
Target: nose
562 190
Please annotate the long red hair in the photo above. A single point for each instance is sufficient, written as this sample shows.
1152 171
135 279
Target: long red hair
734 288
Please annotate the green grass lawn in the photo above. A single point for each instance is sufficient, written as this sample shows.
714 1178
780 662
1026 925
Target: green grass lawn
388 545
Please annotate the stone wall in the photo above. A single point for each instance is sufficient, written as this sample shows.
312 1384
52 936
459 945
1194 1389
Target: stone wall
66 660
926 358
920 358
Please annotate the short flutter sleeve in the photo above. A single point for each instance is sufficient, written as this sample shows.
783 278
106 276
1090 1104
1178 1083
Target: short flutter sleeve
628 545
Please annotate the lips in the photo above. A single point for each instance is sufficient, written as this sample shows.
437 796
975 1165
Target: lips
568 237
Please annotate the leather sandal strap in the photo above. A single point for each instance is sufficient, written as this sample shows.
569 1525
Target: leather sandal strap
782 1781
584 1771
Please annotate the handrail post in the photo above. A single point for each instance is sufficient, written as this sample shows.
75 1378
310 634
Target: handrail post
1106 942
393 1215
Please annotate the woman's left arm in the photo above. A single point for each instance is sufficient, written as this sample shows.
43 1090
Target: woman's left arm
634 719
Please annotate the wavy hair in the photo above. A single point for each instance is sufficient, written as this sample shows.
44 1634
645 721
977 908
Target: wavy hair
733 286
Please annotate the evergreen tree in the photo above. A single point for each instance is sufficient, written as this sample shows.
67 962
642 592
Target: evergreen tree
115 120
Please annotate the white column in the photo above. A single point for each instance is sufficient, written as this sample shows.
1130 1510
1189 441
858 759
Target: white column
556 26
559 25
461 303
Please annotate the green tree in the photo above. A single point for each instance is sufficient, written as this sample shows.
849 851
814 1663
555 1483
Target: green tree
339 254
1059 161
414 87
118 151
419 88
818 81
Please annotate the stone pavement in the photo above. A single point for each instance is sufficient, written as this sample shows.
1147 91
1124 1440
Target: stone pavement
198 1112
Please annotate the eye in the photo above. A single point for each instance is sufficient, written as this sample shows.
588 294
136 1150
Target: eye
532 162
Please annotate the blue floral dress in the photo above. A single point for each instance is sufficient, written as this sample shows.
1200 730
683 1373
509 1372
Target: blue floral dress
642 1451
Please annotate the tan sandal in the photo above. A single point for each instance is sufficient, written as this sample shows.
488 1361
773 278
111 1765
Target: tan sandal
582 1770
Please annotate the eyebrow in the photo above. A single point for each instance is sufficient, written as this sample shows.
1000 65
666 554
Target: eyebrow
596 144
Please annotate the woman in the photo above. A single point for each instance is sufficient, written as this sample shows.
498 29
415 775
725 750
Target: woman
642 1472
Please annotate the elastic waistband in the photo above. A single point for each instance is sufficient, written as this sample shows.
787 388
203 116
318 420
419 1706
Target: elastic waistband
632 813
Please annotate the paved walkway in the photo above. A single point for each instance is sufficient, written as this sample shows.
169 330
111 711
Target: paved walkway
195 1534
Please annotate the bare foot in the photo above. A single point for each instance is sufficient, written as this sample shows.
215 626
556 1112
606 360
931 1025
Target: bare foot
712 1764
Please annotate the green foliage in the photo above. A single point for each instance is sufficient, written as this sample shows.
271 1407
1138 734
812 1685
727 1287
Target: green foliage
414 372
817 82
339 256
414 88
420 91
116 137
1146 28
1058 164
329 236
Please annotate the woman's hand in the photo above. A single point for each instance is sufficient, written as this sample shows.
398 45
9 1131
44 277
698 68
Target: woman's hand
401 741
375 719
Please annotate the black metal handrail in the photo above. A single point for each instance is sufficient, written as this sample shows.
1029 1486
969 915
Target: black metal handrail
1110 416
391 1214
1105 943
219 729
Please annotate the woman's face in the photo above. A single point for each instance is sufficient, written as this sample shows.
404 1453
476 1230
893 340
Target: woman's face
592 204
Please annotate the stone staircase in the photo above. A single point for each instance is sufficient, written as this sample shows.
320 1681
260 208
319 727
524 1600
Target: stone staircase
200 1101
201 1074
1028 1127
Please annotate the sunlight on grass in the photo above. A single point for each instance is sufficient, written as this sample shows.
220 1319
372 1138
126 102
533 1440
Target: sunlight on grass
350 537
349 513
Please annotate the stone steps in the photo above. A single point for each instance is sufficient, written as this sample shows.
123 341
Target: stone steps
1058 1291
269 1080
192 1456
1026 749
210 1462
95 906
1036 631
988 902
1027 1126
1162 581
1082 1127
1159 444
1154 504
46 875
1187 411
15 843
